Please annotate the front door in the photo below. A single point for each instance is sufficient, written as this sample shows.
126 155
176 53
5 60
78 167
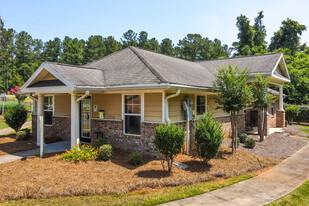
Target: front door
85 120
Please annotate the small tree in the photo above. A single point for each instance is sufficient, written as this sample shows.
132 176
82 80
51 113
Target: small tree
261 100
233 94
169 140
18 96
292 112
15 117
208 137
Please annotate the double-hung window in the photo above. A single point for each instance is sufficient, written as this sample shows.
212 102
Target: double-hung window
132 114
200 105
48 110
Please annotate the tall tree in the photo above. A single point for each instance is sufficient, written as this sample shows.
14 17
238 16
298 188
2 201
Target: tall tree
73 51
245 36
51 50
111 45
154 45
167 47
23 48
129 39
190 47
143 41
260 31
288 36
95 48
233 94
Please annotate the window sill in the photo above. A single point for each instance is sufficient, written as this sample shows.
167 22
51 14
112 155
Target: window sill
49 125
137 135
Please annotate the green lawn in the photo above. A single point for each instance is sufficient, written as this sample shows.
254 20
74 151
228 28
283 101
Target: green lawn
151 197
304 130
299 197
4 125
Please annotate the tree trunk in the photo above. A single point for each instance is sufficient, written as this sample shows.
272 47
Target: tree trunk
169 165
262 125
234 132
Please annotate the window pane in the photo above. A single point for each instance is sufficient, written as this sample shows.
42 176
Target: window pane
48 103
132 124
136 99
132 104
129 109
48 117
136 109
128 99
200 105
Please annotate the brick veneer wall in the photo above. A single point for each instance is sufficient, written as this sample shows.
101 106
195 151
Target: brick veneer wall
280 118
226 121
60 128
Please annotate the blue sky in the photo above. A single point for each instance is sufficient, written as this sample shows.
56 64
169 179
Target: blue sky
173 19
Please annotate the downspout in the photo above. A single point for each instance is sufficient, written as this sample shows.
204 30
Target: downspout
33 98
34 102
167 119
188 128
83 97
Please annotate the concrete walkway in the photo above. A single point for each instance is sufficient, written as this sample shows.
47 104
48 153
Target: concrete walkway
9 130
260 190
49 148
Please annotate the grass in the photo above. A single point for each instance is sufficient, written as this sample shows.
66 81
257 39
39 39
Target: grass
299 197
149 197
304 130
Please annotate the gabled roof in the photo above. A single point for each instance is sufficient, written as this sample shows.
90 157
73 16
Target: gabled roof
132 67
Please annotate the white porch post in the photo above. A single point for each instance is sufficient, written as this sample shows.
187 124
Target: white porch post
40 112
281 97
74 121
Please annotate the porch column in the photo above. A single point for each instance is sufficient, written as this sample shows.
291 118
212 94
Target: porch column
280 114
74 121
40 112
281 97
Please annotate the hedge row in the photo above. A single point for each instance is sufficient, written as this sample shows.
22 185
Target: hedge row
297 113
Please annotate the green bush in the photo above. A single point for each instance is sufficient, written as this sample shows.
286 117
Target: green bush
208 137
8 105
242 137
169 140
23 135
250 143
135 158
292 112
303 115
15 117
99 142
106 152
83 153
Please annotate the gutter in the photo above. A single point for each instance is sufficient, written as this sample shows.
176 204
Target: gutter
83 97
167 119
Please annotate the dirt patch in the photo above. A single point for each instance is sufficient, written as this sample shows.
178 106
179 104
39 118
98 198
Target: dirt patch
9 145
49 177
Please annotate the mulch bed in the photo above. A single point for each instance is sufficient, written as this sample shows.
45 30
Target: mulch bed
277 145
50 177
9 145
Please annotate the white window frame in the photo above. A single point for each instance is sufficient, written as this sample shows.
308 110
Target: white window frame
130 114
205 95
48 110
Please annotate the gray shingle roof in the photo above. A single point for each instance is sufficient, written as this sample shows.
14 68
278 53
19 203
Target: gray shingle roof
257 64
79 75
132 66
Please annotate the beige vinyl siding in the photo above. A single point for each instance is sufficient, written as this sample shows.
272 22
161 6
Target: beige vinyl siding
62 105
110 103
153 107
49 76
175 109
211 104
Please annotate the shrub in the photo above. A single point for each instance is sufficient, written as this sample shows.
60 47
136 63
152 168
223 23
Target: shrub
23 135
83 153
106 152
135 158
208 137
242 137
303 114
15 117
250 143
99 142
292 112
169 140
8 105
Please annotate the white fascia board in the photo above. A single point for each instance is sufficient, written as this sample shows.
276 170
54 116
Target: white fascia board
285 68
281 78
24 89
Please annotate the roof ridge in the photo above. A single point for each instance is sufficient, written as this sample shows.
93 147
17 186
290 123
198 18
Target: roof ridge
149 65
239 57
111 54
71 65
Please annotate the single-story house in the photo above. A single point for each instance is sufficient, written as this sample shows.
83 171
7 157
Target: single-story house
125 95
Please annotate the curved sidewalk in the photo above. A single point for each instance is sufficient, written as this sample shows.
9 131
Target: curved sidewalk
260 190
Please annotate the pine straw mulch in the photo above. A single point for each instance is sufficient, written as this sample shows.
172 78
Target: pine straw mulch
9 145
50 177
